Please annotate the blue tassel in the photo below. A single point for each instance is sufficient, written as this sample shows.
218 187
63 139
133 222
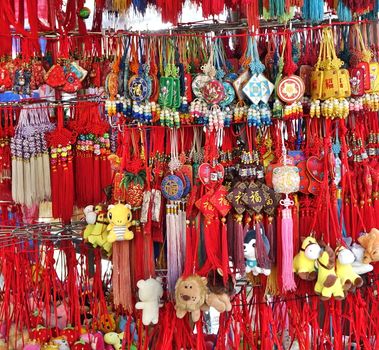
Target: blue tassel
140 6
313 10
343 12
276 8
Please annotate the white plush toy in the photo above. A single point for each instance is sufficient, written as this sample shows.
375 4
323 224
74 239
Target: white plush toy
288 343
358 266
249 251
90 214
150 292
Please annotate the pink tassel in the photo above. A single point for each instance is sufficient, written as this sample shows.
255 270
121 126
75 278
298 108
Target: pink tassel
174 246
287 251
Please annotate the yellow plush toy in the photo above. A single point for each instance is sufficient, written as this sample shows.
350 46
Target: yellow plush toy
328 284
344 268
120 219
304 261
90 214
98 236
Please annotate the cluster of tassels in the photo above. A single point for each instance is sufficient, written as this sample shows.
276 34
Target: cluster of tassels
30 159
61 142
176 241
6 132
92 169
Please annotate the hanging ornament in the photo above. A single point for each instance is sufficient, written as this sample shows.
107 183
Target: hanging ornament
286 180
258 88
84 12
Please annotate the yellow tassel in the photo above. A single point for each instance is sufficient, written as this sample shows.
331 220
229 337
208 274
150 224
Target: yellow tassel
121 5
272 282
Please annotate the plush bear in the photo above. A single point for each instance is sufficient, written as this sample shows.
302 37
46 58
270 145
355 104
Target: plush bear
149 293
190 295
328 284
344 269
304 261
370 242
249 251
120 220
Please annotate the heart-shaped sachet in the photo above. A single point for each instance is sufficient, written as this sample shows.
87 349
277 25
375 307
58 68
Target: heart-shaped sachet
315 167
209 175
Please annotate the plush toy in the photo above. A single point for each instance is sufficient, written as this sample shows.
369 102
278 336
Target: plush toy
114 339
288 342
190 294
150 292
250 255
81 345
96 340
344 269
62 343
50 346
33 345
120 219
107 323
370 242
221 302
358 266
58 317
328 284
98 236
123 321
17 337
90 216
218 295
304 261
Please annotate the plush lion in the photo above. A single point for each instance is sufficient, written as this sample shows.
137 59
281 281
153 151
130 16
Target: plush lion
190 294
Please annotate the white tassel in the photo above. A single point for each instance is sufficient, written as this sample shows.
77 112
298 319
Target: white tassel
34 194
177 233
46 176
40 178
15 185
27 184
20 181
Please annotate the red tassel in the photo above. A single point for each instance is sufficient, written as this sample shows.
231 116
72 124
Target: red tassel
62 182
96 189
252 13
225 255
121 280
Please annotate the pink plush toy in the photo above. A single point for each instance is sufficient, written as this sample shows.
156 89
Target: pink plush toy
96 340
32 346
57 318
